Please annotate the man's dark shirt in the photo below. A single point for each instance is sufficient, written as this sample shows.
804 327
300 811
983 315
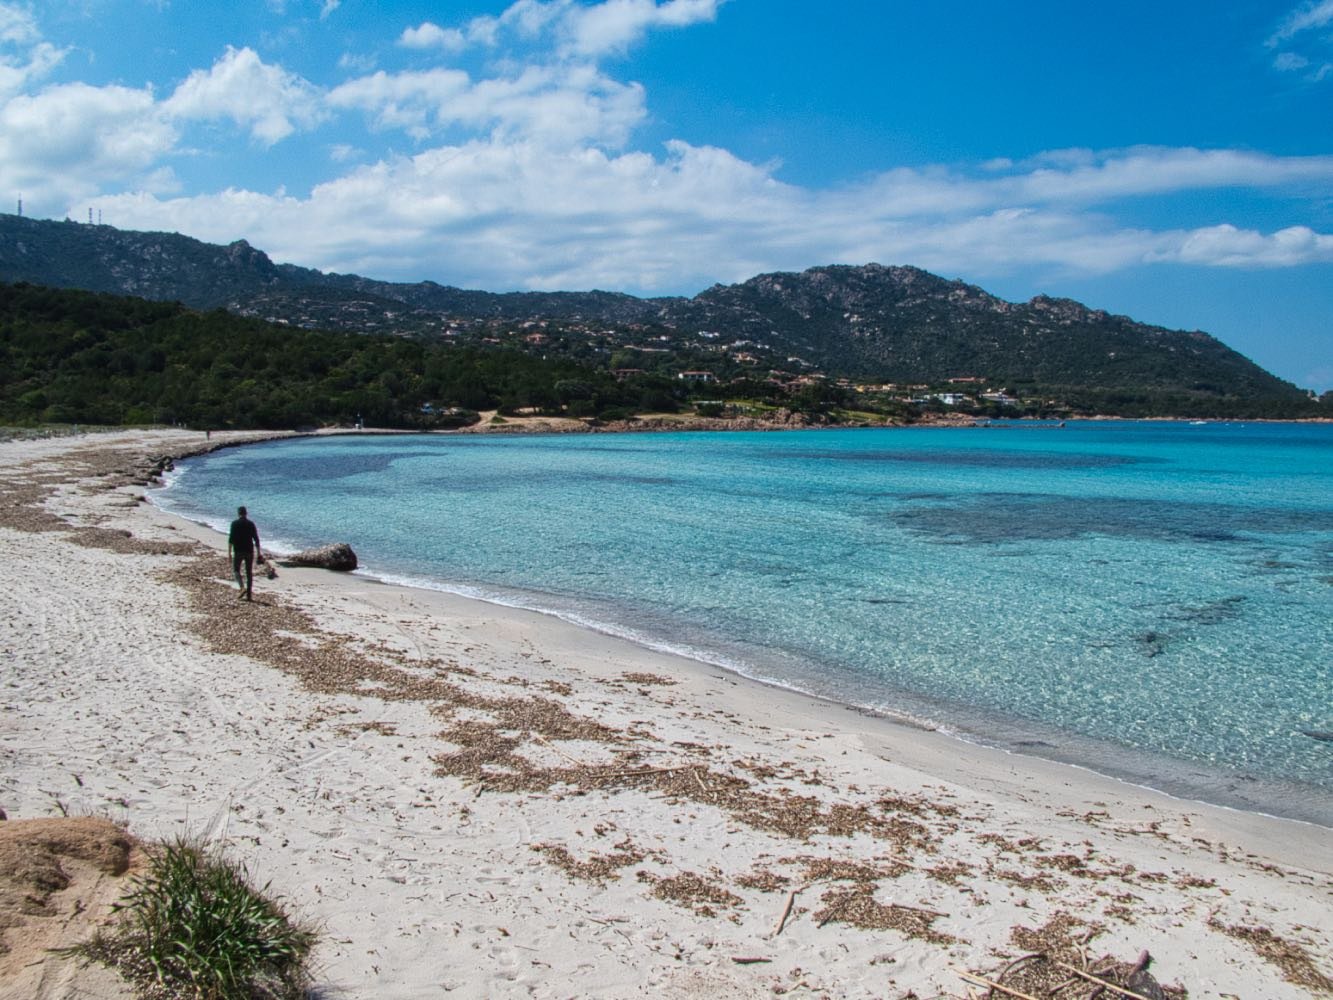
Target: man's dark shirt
244 535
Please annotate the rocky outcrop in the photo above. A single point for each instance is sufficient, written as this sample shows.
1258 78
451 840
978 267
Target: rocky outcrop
335 556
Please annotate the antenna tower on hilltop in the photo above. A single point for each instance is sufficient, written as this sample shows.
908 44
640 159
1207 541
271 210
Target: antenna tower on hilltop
20 206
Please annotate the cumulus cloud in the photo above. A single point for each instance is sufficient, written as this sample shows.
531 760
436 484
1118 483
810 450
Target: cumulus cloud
525 175
71 141
1228 246
497 213
267 100
559 105
412 101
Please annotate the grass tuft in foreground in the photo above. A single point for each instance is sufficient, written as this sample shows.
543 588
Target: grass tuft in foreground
194 926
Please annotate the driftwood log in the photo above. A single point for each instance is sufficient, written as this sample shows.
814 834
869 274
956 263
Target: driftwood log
336 556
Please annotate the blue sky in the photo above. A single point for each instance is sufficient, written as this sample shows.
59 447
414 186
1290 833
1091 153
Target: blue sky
1171 161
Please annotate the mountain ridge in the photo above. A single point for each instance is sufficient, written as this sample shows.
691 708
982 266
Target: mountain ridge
894 323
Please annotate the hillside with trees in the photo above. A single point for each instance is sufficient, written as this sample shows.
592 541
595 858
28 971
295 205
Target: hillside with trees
81 357
883 341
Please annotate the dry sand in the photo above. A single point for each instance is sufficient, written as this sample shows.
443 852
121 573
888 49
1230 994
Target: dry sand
475 801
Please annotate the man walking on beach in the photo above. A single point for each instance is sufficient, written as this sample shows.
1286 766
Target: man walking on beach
243 545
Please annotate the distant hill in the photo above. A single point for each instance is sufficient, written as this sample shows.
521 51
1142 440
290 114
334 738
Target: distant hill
892 324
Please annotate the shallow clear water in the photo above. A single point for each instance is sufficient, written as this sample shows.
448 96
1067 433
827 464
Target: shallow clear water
1151 600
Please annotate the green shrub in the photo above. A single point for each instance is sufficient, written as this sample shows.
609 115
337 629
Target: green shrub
195 926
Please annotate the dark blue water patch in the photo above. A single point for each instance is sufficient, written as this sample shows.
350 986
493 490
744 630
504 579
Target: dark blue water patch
601 445
620 478
978 458
996 518
1212 613
1288 573
470 480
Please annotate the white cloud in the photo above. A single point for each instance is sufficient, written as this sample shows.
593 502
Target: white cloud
582 31
69 142
525 177
557 105
1302 28
356 62
1227 246
561 107
431 36
268 100
25 56
412 101
17 25
529 18
1151 170
500 214
1302 19
328 8
615 25
16 75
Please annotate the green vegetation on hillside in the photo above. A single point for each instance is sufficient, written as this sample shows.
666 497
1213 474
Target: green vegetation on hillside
914 334
71 357
80 357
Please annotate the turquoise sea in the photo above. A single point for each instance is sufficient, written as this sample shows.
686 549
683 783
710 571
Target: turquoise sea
1150 600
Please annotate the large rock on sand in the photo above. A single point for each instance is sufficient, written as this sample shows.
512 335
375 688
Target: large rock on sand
337 556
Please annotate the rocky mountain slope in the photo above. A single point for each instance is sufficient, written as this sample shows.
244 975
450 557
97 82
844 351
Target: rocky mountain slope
897 324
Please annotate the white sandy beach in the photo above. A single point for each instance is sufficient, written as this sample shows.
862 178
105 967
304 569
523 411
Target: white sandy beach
476 801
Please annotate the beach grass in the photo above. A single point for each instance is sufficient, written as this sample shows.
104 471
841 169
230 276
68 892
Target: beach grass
193 925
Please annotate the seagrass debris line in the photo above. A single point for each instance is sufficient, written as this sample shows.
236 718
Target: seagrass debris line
1103 983
835 911
1100 982
991 985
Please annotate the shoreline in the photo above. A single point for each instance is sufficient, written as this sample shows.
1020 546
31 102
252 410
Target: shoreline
499 801
971 732
971 740
812 702
1204 784
443 601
